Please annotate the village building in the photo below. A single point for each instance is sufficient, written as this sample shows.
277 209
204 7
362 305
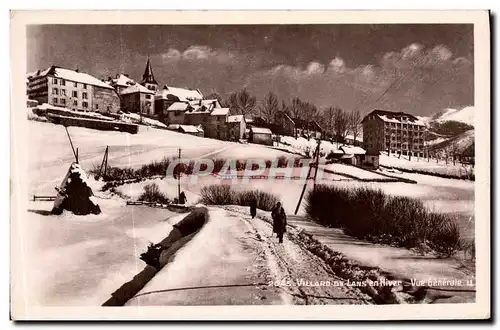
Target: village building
120 82
73 90
309 128
216 124
175 113
261 135
284 124
137 99
237 127
170 95
191 129
394 132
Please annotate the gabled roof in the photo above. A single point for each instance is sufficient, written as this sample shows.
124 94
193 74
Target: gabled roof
352 150
235 119
178 106
213 103
136 89
220 112
260 130
182 94
122 81
71 75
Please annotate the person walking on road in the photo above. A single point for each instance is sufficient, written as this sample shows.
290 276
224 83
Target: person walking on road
279 221
253 208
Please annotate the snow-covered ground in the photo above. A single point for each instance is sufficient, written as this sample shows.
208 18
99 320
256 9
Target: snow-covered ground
423 165
353 171
232 260
74 260
49 154
302 145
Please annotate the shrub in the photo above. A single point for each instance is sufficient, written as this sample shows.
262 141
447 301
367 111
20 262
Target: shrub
153 194
371 214
224 195
216 195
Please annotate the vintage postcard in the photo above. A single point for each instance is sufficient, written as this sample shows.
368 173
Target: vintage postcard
260 165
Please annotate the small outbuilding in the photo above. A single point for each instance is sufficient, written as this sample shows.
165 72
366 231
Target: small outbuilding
261 135
191 129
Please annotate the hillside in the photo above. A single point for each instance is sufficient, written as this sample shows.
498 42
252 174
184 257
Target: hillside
465 115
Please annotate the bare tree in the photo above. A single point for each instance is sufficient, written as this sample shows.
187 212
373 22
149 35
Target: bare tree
328 117
355 124
216 96
340 124
296 108
269 108
242 102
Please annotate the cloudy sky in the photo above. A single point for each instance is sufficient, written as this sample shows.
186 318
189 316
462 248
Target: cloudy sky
420 69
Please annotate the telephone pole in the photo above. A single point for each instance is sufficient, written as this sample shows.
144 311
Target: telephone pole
179 179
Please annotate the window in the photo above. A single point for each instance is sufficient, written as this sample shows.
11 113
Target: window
63 101
75 103
85 105
54 99
63 83
63 92
97 106
75 84
84 86
84 95
55 91
148 96
55 81
75 94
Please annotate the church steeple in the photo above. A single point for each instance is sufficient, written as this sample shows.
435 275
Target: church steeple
148 77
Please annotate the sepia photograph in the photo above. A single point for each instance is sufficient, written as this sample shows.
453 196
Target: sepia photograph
258 165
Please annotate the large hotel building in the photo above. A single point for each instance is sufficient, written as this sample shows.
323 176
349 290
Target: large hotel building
394 132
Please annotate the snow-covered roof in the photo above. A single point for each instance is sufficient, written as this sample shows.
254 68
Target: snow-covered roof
260 130
173 126
123 80
235 119
178 106
388 120
136 89
397 121
190 128
184 95
353 150
80 77
207 103
220 112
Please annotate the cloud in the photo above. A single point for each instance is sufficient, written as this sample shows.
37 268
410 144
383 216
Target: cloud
414 79
198 53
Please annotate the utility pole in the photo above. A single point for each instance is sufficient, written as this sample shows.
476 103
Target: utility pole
305 183
179 180
317 163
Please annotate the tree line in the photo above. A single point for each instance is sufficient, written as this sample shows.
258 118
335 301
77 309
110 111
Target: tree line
336 123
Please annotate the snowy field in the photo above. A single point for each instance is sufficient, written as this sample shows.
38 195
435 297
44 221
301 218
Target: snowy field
49 154
79 261
353 171
423 165
302 145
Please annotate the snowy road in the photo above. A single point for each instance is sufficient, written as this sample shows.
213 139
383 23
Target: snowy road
234 260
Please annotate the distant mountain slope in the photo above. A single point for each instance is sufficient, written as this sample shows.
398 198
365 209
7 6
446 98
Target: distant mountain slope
465 115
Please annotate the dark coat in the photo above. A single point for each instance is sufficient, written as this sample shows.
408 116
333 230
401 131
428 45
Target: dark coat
279 220
253 208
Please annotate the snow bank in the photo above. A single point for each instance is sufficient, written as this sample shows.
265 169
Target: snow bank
136 118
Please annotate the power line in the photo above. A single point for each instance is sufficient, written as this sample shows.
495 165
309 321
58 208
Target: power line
398 80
